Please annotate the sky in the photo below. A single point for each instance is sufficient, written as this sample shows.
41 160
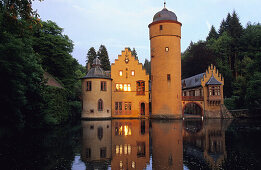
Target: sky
124 23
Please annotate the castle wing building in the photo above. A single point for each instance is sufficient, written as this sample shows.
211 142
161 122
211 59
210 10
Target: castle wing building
130 87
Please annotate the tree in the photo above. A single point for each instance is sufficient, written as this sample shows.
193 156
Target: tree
104 57
20 71
196 59
134 53
91 55
147 66
54 49
212 33
235 28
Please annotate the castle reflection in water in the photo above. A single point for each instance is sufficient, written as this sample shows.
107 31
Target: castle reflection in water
141 144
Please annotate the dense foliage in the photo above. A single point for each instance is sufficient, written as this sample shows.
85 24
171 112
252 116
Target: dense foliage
28 47
236 52
103 56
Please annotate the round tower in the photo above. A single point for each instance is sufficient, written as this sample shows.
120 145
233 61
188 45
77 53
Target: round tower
96 93
165 35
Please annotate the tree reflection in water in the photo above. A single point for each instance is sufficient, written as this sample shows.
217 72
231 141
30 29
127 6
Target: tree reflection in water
137 144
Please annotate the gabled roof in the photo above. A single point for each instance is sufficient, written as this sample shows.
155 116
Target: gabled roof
213 81
191 82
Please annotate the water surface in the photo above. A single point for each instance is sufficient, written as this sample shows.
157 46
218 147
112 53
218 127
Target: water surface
137 144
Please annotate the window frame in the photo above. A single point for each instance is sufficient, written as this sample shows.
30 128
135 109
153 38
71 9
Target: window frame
103 86
88 85
100 105
140 87
121 73
168 77
132 72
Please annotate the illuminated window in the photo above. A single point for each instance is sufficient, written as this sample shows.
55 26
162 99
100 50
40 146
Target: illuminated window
119 87
129 149
133 164
117 149
133 73
125 87
167 49
125 149
120 149
121 164
88 86
100 105
103 86
140 87
120 73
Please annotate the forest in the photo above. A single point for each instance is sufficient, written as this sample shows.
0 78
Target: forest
236 52
29 47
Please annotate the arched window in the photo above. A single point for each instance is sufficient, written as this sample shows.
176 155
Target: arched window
100 105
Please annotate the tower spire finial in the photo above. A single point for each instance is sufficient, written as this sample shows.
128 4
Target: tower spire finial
164 4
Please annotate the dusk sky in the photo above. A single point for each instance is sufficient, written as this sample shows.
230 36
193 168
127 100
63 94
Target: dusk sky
124 23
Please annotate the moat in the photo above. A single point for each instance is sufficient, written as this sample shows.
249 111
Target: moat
137 144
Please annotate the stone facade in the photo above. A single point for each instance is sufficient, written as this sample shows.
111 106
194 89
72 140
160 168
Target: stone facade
91 98
130 87
96 93
206 91
165 35
96 146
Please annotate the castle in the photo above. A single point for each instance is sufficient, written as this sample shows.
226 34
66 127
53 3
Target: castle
128 93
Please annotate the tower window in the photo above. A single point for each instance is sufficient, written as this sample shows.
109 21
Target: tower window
88 86
103 86
161 27
168 77
167 49
100 105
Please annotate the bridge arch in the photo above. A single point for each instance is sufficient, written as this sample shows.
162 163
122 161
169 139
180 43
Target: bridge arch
192 108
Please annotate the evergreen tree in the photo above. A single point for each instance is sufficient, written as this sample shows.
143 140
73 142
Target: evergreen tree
212 33
196 59
91 55
222 27
134 53
147 66
235 28
104 57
